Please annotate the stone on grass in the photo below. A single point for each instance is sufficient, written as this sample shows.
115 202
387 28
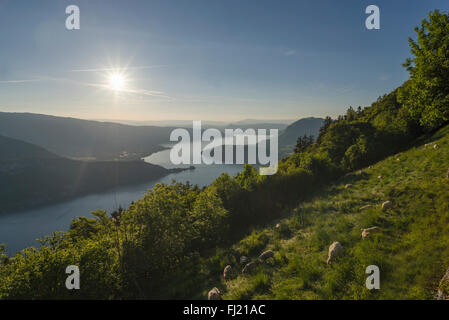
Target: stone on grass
387 205
227 272
249 267
335 250
366 232
214 294
266 255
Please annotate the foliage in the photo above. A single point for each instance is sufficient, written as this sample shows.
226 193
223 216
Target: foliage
426 94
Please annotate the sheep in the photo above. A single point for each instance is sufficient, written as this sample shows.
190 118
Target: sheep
266 255
249 267
335 250
443 288
227 272
387 205
366 232
366 207
214 294
244 260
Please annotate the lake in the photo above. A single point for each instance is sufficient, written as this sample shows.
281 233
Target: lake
19 230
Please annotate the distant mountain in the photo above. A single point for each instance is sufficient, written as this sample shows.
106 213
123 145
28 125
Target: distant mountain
166 123
31 176
75 138
242 124
256 121
309 126
16 150
258 125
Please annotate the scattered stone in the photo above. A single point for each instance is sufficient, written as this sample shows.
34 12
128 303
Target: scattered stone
436 147
348 186
366 207
249 267
443 288
335 250
387 205
227 272
379 177
244 260
277 226
366 232
214 294
266 255
397 159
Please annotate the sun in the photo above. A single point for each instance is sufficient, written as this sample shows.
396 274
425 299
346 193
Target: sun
117 82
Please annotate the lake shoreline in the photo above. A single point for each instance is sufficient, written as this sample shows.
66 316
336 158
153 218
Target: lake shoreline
7 209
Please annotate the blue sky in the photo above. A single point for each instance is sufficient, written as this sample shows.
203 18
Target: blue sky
202 60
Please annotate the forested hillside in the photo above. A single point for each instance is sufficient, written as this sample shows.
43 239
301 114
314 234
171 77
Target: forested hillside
31 176
89 140
177 239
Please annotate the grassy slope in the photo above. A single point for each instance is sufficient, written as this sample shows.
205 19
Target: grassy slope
412 251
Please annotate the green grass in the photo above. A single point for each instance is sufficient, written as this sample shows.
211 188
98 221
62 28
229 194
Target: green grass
412 249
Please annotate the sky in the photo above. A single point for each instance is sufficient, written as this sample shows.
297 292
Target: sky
222 60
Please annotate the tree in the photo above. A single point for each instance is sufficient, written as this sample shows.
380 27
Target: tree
327 122
426 94
303 143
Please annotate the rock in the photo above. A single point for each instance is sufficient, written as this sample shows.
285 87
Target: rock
348 186
227 272
379 177
244 260
249 267
397 159
266 255
335 250
366 207
387 205
366 232
277 226
436 147
214 294
443 288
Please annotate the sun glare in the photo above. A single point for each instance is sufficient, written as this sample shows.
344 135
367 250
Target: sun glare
116 82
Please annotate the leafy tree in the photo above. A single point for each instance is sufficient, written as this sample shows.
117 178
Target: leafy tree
303 143
327 122
426 94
